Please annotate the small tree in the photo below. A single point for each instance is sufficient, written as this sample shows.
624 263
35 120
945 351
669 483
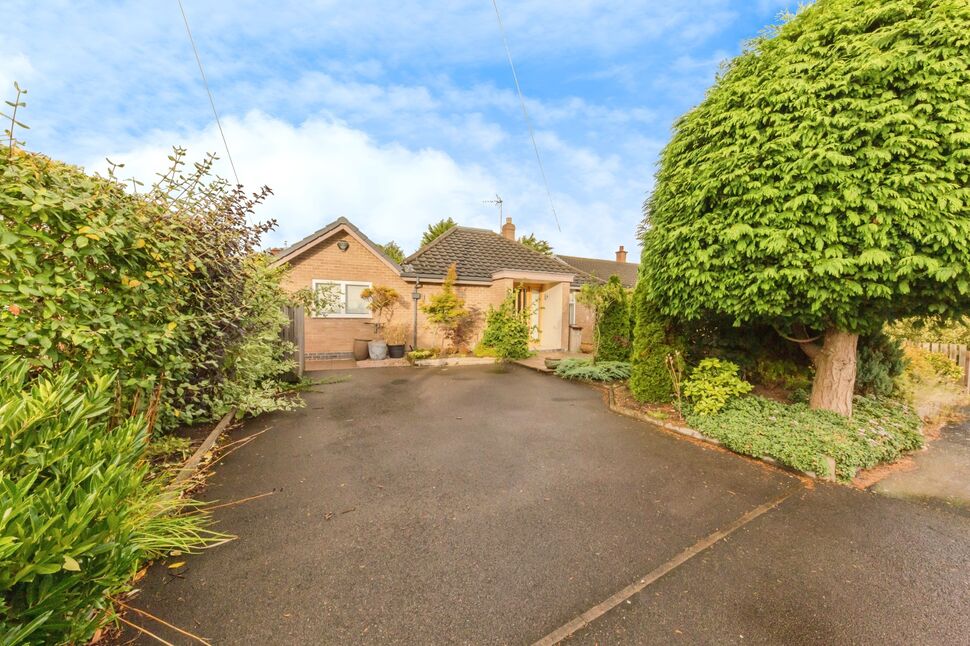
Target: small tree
536 244
436 230
393 251
822 185
383 303
507 330
591 296
613 329
446 310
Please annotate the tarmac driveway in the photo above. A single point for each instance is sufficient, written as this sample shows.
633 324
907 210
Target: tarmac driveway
479 506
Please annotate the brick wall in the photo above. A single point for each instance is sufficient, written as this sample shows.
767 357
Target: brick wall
333 337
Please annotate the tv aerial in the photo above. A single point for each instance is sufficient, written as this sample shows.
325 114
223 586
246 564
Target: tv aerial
498 202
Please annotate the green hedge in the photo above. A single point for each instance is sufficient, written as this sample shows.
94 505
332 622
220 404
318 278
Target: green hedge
165 287
653 342
80 510
613 332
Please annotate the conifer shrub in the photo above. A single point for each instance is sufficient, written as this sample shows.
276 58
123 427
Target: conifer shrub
613 329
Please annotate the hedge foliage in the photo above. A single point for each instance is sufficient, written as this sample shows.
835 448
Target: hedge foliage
80 510
878 431
825 178
163 287
653 341
613 330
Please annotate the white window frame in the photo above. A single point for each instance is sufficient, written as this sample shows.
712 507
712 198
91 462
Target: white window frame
342 284
572 308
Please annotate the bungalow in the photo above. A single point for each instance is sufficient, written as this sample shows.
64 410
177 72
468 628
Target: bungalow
488 265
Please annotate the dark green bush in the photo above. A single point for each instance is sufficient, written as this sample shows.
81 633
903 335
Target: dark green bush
507 330
81 513
653 342
587 370
613 332
878 431
879 362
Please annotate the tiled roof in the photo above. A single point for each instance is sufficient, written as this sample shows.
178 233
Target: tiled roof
479 253
307 242
603 269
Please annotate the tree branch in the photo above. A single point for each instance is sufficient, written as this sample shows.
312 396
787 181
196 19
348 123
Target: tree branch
808 345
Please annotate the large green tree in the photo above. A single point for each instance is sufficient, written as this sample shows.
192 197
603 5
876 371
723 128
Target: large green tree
435 230
823 184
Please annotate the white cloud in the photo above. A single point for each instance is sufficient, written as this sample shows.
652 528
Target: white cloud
322 169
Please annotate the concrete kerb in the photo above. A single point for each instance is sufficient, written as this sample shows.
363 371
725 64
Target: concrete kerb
455 361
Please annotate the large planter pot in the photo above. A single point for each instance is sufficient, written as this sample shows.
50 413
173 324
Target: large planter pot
552 364
360 349
377 349
395 351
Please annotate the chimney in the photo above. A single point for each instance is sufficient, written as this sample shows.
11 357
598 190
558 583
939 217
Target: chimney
508 229
621 254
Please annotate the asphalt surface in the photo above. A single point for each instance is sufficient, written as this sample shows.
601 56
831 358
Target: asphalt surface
475 506
938 475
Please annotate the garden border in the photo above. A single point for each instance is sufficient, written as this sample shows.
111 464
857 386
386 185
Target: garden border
689 432
455 361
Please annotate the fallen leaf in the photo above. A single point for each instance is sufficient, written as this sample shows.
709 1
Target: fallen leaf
175 566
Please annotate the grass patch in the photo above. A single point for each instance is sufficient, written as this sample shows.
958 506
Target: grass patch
586 370
795 435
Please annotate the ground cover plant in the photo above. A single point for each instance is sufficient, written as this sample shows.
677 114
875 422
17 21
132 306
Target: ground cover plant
821 188
588 370
82 508
802 438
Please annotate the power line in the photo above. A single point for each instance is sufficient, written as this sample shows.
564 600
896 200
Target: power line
205 82
525 113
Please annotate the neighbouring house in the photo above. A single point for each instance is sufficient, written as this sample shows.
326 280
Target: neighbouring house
488 265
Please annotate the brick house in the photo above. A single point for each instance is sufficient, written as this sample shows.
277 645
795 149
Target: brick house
488 264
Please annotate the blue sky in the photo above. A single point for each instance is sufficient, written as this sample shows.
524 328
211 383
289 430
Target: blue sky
393 114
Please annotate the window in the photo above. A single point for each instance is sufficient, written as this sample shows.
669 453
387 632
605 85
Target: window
349 302
572 308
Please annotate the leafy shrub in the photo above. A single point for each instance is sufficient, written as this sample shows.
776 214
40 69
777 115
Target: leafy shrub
878 431
507 330
446 311
613 328
383 301
653 342
587 370
418 355
155 286
879 362
712 384
928 367
81 513
782 373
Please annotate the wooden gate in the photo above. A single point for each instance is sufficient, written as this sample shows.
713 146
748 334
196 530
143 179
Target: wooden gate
293 332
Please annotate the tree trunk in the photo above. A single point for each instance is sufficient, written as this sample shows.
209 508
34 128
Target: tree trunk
835 368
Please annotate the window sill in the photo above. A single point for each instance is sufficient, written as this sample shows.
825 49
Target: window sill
343 316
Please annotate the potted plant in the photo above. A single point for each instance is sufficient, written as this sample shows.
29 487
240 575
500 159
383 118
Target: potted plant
383 301
396 337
